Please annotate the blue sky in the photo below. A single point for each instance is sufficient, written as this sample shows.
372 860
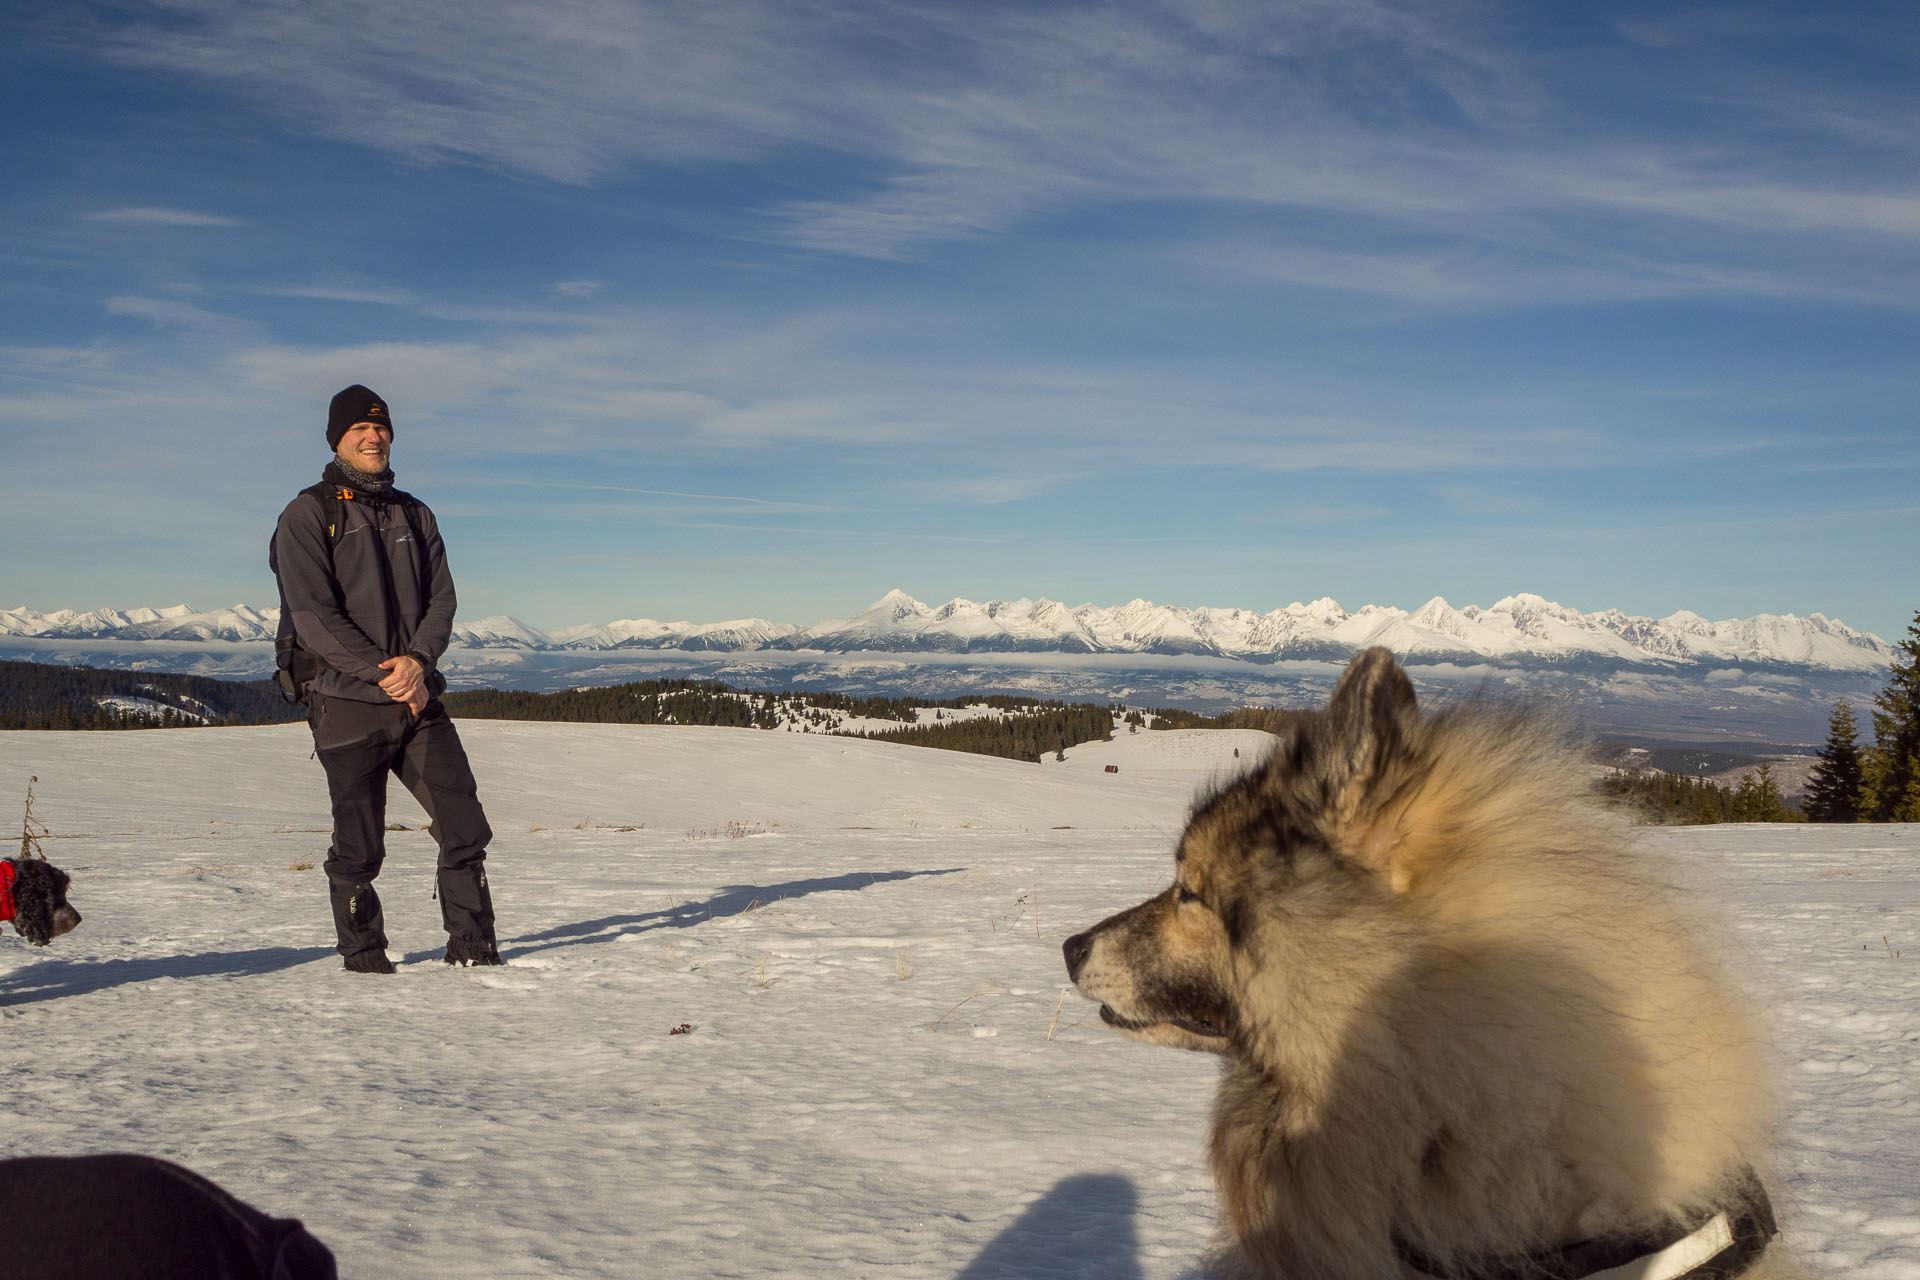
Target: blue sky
710 309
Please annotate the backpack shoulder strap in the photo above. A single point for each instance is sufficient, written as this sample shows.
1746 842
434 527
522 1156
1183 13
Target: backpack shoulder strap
333 509
293 666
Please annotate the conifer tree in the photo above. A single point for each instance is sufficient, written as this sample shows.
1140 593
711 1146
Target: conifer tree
1834 788
1757 798
1896 729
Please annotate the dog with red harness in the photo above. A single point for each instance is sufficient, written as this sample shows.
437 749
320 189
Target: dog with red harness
33 896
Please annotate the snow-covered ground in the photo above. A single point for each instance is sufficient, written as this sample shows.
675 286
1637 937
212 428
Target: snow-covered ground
879 1070
151 709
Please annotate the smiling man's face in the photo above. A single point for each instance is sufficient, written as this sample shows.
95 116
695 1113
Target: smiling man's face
366 446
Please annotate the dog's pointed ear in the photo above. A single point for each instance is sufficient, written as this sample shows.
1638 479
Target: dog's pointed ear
1374 721
1373 708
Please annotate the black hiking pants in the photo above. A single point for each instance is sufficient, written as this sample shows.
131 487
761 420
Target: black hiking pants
359 744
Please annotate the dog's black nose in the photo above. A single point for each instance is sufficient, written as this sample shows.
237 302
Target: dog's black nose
1076 949
64 920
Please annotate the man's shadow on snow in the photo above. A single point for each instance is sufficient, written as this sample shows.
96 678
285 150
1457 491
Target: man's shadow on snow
52 979
728 901
1083 1227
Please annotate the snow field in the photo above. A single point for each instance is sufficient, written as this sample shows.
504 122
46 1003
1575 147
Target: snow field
1829 923
880 1074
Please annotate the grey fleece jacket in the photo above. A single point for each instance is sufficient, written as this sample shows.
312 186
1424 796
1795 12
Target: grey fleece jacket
373 595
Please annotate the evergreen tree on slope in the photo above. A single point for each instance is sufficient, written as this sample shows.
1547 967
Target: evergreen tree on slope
1757 798
1896 728
1834 787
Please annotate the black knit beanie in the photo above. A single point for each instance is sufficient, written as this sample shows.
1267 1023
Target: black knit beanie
355 404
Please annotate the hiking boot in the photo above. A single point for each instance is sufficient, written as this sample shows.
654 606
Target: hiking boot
357 919
368 962
467 953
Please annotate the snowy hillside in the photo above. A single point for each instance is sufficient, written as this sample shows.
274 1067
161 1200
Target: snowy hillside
878 1070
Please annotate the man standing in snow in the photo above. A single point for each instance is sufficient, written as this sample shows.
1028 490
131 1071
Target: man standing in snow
366 610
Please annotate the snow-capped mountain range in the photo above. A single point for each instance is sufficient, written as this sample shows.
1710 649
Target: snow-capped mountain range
1522 630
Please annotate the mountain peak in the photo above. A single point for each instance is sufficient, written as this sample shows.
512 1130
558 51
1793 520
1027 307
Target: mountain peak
1524 601
890 610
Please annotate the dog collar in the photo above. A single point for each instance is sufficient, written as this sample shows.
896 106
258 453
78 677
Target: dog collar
6 889
1720 1248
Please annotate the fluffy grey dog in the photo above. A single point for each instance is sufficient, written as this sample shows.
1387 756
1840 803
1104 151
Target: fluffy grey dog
1468 1031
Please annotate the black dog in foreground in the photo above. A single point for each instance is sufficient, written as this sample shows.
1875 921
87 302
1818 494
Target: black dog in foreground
114 1217
33 894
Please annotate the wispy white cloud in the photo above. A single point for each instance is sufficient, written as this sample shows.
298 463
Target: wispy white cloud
1767 206
804 388
1493 500
968 121
609 385
1480 270
174 314
62 408
149 216
845 419
369 294
982 490
564 91
1323 515
858 534
23 361
734 499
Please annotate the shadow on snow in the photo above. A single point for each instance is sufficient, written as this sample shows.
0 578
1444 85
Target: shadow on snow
730 900
1083 1227
53 979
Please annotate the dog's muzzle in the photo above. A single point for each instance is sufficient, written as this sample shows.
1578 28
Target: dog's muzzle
1077 949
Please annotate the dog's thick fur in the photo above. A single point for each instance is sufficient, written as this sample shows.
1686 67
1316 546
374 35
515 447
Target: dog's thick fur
1462 1020
41 910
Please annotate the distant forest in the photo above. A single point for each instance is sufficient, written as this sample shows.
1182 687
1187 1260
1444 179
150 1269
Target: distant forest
37 695
1672 799
1024 729
674 702
42 696
1026 732
1267 720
